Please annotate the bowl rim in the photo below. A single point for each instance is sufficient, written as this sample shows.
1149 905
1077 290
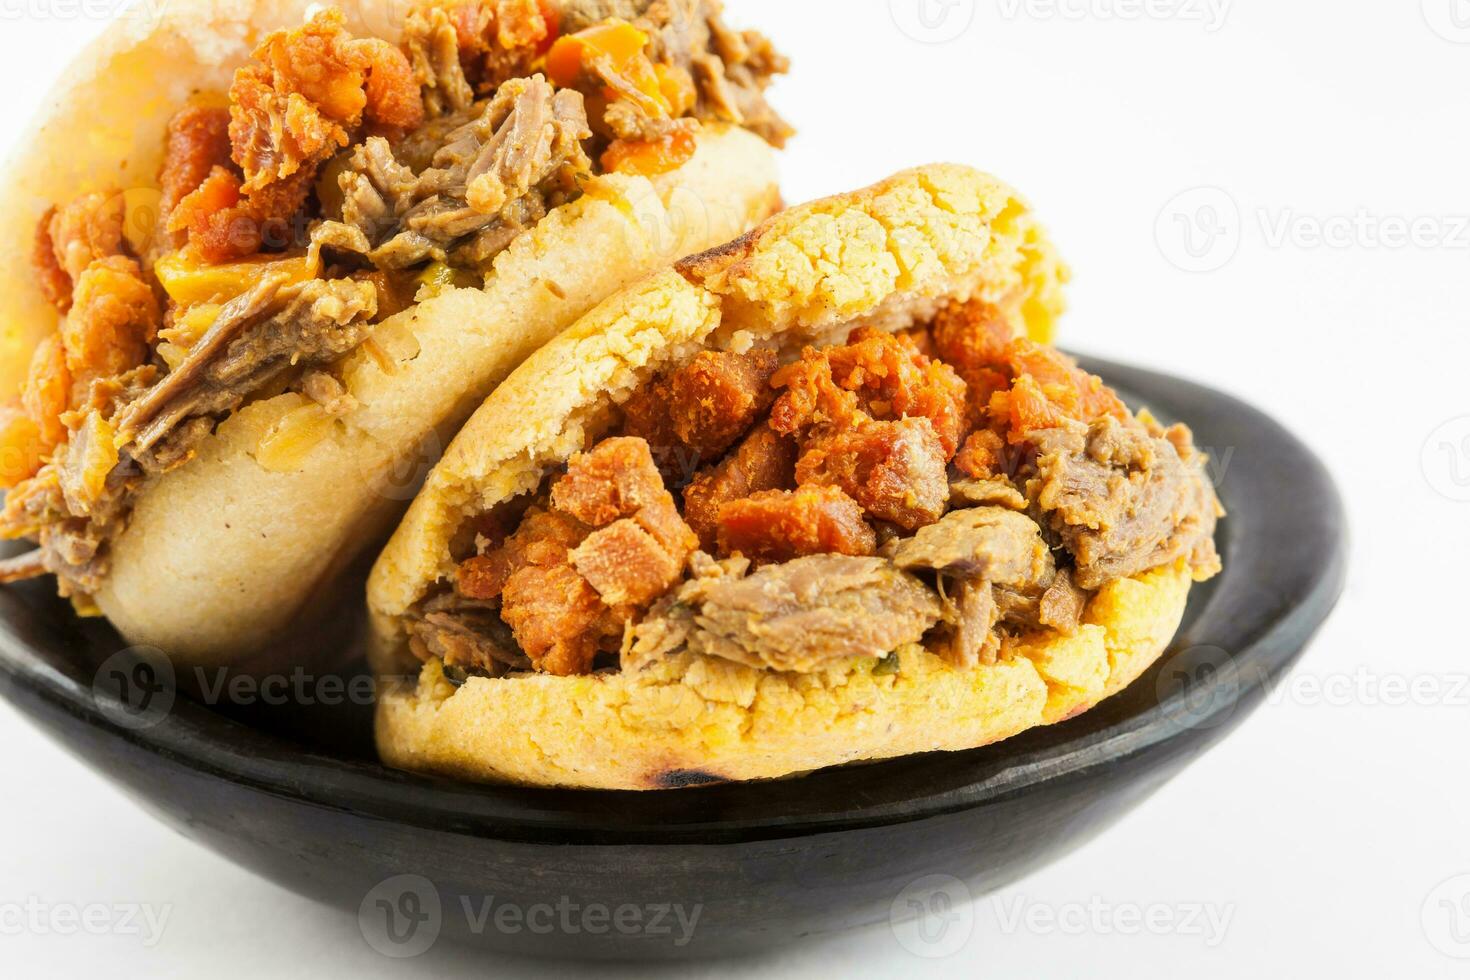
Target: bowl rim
1306 583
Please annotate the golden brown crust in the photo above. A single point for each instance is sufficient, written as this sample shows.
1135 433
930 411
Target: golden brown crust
700 268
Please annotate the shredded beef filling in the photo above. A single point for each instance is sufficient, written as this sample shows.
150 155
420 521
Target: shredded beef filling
994 569
727 71
492 179
433 47
802 615
954 486
80 500
258 337
731 69
1124 498
468 636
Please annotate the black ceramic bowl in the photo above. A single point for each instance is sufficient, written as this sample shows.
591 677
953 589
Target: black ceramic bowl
296 795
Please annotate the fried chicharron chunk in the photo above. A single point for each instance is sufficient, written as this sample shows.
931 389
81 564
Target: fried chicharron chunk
781 525
765 460
895 470
569 578
693 415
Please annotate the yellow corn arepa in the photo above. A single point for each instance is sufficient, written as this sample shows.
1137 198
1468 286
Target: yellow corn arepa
889 256
690 719
222 555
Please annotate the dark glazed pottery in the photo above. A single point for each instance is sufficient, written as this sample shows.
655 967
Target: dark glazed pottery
296 795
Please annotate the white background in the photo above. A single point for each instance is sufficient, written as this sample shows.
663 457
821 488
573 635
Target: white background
1320 830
